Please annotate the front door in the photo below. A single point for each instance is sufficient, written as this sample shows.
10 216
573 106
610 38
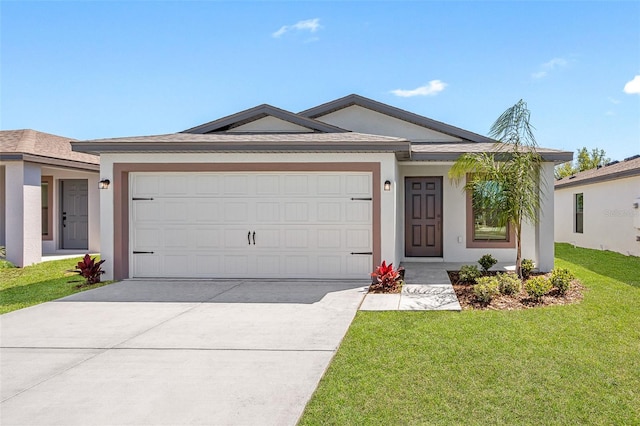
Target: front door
75 214
423 217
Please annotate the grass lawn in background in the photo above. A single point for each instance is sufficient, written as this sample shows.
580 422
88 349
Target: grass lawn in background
574 364
22 287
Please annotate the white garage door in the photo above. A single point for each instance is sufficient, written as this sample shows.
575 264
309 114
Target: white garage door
254 225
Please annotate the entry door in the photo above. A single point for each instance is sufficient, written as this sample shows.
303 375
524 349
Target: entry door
423 217
75 214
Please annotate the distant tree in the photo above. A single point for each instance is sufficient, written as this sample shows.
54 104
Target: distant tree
585 160
590 160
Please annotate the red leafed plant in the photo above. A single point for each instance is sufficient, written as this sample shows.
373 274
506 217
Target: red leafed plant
90 269
385 279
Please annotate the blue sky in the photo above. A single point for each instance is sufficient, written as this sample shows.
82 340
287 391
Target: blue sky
106 69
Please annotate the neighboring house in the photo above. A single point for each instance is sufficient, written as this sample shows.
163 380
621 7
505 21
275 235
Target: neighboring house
327 192
49 199
599 208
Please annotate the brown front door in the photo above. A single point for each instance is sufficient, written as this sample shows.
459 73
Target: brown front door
423 217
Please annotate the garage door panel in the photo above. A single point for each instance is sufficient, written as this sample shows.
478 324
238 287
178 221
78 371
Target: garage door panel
236 211
267 211
206 184
207 238
146 238
207 265
176 238
208 211
175 265
201 225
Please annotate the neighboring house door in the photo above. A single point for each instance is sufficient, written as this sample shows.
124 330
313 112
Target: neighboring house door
423 217
74 214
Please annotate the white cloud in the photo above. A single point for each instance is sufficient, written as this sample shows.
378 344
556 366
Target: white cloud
433 88
311 25
613 100
609 113
549 66
633 87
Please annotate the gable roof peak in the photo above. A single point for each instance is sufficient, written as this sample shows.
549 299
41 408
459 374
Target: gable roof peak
398 113
263 110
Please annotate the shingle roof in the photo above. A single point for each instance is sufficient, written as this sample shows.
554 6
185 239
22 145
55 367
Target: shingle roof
451 151
392 111
229 142
615 170
41 145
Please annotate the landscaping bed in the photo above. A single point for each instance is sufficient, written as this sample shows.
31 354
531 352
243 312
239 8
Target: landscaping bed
520 300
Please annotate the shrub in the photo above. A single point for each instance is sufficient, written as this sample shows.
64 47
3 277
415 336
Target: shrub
526 266
509 283
3 252
468 273
385 279
4 264
486 288
90 269
537 287
561 279
486 262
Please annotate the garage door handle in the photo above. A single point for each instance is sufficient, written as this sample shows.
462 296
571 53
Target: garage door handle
142 252
254 238
249 237
362 252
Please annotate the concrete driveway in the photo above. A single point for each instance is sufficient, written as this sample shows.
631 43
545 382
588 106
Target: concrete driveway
173 353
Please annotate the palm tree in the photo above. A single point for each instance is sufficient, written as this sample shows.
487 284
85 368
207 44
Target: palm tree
506 182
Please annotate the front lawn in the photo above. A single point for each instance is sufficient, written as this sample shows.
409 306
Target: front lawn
22 287
574 364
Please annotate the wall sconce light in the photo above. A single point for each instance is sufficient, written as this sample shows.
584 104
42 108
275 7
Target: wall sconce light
387 185
104 184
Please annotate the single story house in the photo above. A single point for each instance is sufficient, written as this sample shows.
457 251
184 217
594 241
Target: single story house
328 192
49 201
600 208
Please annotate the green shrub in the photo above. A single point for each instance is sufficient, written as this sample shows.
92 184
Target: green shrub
468 273
561 279
6 264
486 288
509 283
3 252
537 287
526 266
486 262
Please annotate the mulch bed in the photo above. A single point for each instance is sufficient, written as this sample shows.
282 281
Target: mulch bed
467 300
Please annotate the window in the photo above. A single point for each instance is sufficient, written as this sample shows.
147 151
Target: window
578 219
46 189
483 227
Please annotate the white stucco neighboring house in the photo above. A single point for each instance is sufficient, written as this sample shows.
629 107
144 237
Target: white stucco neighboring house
49 201
600 208
327 192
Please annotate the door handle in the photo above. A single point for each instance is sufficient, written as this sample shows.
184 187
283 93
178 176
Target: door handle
254 238
249 237
64 221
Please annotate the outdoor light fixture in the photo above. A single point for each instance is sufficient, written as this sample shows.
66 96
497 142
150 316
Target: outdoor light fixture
104 184
387 185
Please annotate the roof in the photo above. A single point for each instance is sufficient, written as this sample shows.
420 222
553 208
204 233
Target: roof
45 148
391 111
264 110
614 170
451 151
247 142
309 134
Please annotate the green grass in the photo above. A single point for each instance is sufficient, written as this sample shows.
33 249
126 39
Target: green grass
575 364
22 287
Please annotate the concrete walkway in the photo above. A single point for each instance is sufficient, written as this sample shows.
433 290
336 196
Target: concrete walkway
427 288
143 352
